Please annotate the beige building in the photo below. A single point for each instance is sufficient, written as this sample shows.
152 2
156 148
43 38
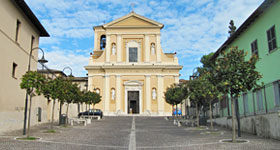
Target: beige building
19 33
129 69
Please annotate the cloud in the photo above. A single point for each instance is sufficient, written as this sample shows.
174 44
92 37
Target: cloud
192 28
59 59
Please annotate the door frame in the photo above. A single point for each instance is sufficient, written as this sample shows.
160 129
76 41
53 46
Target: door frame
133 86
137 102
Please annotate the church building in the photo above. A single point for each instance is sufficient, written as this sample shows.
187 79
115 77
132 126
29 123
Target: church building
129 69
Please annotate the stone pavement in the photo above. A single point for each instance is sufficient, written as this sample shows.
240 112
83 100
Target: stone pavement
132 133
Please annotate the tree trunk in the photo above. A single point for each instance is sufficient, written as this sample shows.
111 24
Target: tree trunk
176 111
29 116
53 113
197 115
211 121
233 119
172 111
67 110
60 109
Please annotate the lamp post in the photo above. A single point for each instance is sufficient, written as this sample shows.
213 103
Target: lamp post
42 61
69 69
60 121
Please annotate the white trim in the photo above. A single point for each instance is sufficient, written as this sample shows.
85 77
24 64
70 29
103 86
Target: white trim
136 44
134 86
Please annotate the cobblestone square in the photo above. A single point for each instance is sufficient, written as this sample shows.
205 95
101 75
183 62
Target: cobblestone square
132 132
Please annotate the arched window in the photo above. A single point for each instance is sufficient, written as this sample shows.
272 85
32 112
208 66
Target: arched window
103 42
153 48
113 52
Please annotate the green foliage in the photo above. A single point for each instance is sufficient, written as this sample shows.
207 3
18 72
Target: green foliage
231 27
91 97
234 75
196 91
175 94
31 81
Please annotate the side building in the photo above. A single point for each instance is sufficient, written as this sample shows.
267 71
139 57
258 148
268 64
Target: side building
258 35
20 31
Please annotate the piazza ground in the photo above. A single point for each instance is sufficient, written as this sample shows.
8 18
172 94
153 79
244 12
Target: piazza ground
132 132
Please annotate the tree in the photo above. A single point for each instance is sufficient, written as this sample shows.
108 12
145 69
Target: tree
210 91
231 27
234 75
196 95
175 94
58 92
48 90
71 93
32 82
93 98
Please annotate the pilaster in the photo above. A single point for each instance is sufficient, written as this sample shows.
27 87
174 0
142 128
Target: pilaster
160 95
108 45
147 48
106 94
176 79
119 48
158 49
148 93
118 94
90 87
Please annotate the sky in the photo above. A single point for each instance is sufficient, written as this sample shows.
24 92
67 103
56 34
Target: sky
192 28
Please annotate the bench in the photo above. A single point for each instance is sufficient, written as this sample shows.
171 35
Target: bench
78 120
90 117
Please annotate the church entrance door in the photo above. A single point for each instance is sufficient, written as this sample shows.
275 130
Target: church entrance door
133 102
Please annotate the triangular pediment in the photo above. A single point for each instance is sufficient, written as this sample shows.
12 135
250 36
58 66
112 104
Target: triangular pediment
133 20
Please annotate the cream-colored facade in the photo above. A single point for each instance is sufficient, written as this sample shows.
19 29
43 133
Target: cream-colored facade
129 69
19 33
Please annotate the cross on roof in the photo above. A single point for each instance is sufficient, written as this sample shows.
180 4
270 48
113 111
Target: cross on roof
132 6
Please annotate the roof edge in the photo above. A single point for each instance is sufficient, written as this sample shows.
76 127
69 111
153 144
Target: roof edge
31 16
243 26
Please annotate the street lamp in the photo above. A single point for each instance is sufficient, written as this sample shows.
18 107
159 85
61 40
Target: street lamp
60 117
42 61
69 69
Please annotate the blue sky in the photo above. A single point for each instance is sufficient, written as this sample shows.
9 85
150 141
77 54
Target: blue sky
192 28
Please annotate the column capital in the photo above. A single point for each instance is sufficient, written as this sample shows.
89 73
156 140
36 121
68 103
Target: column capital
105 76
147 75
159 76
118 76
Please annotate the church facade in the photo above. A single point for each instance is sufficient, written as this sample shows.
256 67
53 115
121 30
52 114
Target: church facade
129 69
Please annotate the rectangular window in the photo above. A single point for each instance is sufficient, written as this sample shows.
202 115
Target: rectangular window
259 100
14 70
133 54
276 86
254 48
245 102
17 30
271 38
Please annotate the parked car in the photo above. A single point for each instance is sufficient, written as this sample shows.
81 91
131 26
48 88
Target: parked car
91 112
